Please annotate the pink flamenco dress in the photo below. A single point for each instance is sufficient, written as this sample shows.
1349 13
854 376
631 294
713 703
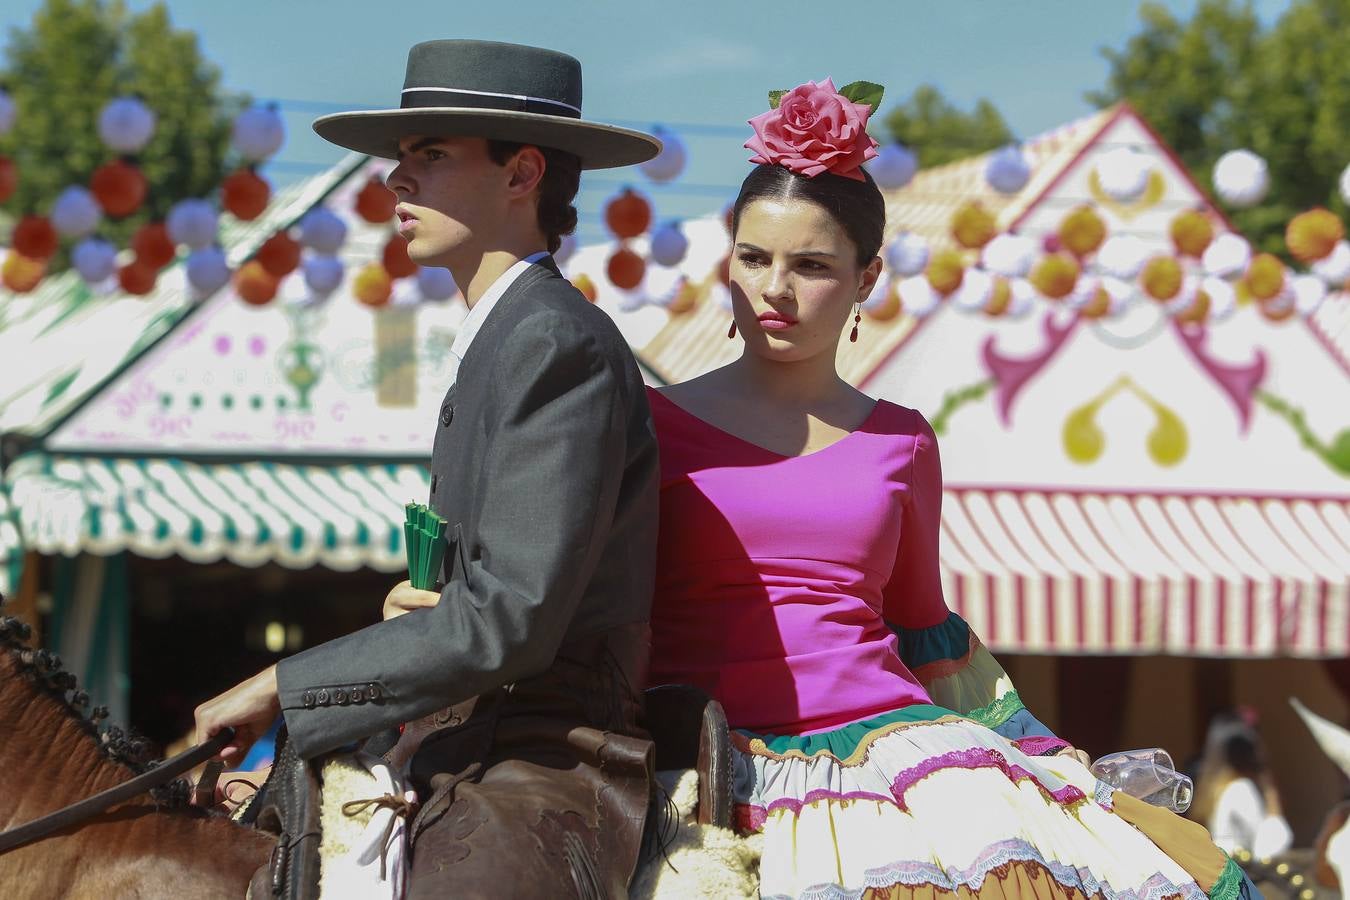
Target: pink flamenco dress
879 747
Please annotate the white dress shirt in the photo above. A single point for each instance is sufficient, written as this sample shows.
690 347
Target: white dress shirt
473 322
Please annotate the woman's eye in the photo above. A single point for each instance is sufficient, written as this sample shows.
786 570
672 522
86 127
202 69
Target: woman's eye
751 259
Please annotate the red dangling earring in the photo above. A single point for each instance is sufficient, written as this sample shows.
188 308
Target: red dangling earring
857 318
731 332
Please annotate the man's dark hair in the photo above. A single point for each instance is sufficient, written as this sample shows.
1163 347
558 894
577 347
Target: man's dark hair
557 189
857 206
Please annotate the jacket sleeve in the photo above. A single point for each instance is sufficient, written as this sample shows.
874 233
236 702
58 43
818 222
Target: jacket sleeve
554 462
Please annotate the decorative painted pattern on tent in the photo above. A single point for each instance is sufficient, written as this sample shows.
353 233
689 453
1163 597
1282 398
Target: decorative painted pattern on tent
1083 572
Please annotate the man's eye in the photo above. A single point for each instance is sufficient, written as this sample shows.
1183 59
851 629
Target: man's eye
811 265
433 155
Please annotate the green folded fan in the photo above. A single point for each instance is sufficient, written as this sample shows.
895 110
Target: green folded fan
424 536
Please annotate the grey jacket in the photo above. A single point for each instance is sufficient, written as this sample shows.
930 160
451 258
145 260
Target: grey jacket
545 468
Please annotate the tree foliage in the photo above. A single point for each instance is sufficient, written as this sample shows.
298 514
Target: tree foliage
939 132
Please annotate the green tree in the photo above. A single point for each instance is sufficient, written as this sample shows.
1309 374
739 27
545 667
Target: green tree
939 132
74 57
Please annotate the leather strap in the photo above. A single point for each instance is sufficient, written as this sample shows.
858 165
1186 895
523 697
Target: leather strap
88 808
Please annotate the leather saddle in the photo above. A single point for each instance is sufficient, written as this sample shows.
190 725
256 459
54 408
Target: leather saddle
287 805
689 729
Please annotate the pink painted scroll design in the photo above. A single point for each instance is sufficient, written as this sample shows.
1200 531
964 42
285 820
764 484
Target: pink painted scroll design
1011 373
1239 382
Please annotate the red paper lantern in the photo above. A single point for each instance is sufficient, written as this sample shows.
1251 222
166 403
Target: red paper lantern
254 284
245 194
153 245
9 178
119 187
35 237
279 255
375 203
625 269
628 215
396 260
138 277
21 274
372 285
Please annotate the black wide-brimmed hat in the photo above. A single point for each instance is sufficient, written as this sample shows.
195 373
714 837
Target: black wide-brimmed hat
505 92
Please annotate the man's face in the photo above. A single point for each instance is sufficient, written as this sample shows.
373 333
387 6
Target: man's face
452 196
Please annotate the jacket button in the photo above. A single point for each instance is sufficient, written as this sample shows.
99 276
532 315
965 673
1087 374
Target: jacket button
447 414
372 692
358 695
322 697
308 699
340 697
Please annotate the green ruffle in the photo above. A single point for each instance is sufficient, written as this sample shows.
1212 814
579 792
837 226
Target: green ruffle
1229 885
949 639
992 715
843 741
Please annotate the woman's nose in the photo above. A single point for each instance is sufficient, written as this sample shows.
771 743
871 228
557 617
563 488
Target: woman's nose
778 286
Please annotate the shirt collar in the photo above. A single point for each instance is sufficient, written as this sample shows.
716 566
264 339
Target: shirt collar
473 322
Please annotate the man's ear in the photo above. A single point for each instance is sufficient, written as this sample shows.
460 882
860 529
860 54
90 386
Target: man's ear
527 170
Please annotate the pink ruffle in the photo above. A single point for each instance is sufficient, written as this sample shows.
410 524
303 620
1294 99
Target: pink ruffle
977 758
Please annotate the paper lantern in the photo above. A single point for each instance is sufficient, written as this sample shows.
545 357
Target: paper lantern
1222 297
436 283
9 178
1082 231
917 296
1191 232
257 133
977 286
119 187
1023 298
372 285
8 112
1335 268
21 274
323 231
375 203
883 303
126 125
1010 255
1055 275
625 269
245 194
669 245
1094 303
893 167
1196 311
1122 256
1000 298
628 215
1007 170
1122 293
1312 235
1280 308
207 270
1309 291
1241 178
35 238
137 277
669 163
75 212
323 274
567 245
280 255
1123 173
95 259
945 271
1227 255
255 285
684 298
193 222
1265 276
153 246
1345 185
973 226
906 254
1161 278
395 258
584 284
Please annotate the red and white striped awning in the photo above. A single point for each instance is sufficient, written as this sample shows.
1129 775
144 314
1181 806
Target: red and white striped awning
1081 572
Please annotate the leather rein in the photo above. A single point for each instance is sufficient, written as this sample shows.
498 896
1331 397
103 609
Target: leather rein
75 813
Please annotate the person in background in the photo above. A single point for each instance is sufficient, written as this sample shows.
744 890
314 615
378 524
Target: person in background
1236 797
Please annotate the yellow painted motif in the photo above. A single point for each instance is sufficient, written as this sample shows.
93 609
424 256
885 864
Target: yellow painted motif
1152 196
1084 439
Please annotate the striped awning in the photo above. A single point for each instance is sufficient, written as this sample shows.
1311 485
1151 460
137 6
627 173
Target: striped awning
1116 573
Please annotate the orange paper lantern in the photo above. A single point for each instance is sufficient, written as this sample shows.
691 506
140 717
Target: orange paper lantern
1055 275
1191 233
375 203
137 277
1197 312
35 237
625 269
119 187
1098 305
1161 278
945 271
254 284
1265 276
244 194
372 285
153 246
584 284
1000 298
888 308
973 226
1280 311
21 274
628 215
279 255
1082 231
1312 235
9 178
396 260
685 296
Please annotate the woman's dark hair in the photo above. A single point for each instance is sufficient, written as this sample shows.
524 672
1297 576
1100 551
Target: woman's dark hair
857 206
557 189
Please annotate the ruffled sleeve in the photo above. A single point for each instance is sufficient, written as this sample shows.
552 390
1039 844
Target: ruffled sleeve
935 643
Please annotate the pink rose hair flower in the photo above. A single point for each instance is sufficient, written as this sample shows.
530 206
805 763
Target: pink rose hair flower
815 129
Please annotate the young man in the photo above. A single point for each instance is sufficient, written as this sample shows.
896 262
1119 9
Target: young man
534 778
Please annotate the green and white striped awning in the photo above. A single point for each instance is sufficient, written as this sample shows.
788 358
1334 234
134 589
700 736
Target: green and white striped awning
343 517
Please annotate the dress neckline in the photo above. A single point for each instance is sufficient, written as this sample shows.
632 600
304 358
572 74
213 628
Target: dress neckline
862 427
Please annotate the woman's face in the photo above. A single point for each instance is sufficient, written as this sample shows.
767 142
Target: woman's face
794 279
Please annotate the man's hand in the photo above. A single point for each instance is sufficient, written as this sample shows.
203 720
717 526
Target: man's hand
249 707
1075 753
405 598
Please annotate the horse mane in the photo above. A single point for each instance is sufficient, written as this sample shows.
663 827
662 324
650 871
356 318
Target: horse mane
124 746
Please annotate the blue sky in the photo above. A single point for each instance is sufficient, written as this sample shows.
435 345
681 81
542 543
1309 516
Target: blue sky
704 63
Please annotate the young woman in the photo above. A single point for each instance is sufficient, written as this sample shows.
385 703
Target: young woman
878 745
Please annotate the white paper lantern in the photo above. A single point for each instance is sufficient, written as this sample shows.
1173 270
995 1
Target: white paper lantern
436 283
977 286
632 301
1334 269
1309 292
126 125
1227 255
75 212
880 292
670 162
906 254
1222 298
1185 298
193 222
1344 184
95 259
1010 255
323 274
669 245
1123 173
1241 178
893 167
1008 170
1083 292
918 297
1121 292
258 133
207 270
323 231
566 247
8 112
1122 256
1023 299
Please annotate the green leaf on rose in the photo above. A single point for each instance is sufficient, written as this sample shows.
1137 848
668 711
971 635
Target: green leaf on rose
864 92
775 98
